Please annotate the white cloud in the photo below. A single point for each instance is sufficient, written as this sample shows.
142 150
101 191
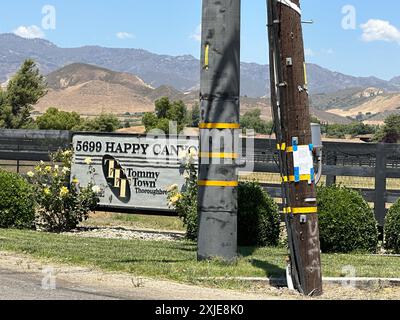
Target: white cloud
30 32
328 51
196 35
309 52
380 30
125 35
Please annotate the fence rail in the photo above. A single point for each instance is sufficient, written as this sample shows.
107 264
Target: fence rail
377 161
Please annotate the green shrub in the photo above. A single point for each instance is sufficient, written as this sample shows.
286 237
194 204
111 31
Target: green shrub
392 228
347 223
258 217
17 208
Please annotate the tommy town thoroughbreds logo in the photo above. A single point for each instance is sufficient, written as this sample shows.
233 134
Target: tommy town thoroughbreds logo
116 179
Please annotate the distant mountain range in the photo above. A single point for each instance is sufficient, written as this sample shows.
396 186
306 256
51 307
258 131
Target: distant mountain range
90 90
181 73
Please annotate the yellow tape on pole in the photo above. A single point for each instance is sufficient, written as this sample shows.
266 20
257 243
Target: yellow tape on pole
209 183
218 155
304 177
219 126
304 210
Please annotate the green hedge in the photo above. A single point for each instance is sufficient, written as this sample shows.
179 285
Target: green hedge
258 217
392 228
347 223
17 208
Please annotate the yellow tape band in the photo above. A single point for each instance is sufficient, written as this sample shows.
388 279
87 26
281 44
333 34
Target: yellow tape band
209 183
218 155
281 147
305 210
304 177
219 126
206 56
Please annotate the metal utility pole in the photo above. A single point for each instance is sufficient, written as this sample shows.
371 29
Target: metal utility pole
290 103
219 104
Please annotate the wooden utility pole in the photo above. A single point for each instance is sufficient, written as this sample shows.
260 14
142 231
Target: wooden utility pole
291 112
219 104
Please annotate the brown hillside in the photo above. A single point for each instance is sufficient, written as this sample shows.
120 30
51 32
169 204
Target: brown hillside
91 90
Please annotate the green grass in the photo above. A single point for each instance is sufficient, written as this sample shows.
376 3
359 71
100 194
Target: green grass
104 219
177 260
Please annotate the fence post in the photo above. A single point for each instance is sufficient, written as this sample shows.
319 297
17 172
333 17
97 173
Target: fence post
380 184
332 161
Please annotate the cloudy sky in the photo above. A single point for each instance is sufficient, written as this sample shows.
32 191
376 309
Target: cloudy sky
358 37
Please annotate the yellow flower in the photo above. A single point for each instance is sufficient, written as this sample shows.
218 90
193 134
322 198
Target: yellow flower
176 198
88 161
48 168
46 191
75 181
172 188
67 153
64 191
30 174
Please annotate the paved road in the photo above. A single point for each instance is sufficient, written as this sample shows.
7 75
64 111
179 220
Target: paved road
28 286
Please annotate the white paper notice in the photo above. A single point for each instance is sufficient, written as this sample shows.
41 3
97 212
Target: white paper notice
303 159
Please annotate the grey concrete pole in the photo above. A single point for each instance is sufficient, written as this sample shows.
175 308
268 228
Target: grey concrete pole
220 112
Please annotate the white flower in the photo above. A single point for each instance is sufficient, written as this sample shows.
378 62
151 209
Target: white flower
65 170
56 167
96 189
30 174
88 161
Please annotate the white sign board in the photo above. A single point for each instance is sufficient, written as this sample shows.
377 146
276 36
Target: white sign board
134 171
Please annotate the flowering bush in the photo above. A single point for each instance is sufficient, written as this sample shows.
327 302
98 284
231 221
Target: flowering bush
61 203
185 201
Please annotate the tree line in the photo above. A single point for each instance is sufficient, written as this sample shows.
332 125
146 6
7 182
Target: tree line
28 86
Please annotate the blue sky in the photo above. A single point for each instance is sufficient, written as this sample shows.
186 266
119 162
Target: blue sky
170 27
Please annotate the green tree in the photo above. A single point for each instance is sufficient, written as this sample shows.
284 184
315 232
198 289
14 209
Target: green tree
177 112
166 112
23 91
195 116
55 119
162 107
390 132
103 123
252 120
150 121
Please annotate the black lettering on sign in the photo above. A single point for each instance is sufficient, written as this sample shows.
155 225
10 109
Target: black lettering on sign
116 179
